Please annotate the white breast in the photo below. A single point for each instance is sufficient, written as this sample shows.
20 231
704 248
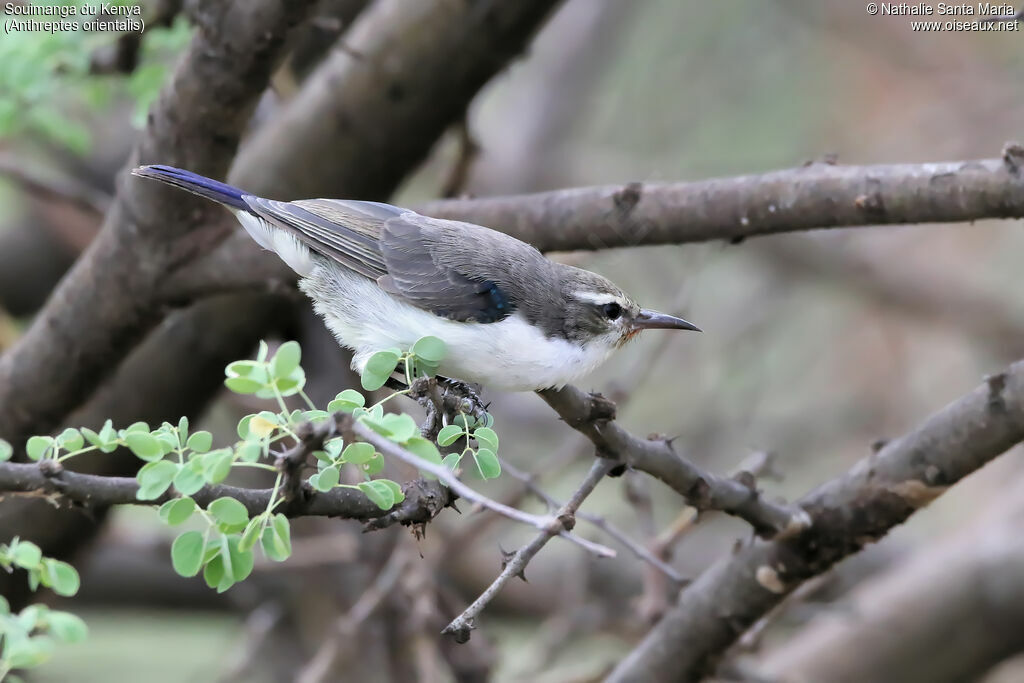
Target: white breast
509 355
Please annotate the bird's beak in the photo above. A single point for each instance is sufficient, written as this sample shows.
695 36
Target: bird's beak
652 320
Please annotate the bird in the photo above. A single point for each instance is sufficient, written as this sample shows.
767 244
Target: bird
382 277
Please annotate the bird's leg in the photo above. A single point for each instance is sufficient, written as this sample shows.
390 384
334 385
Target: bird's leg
461 397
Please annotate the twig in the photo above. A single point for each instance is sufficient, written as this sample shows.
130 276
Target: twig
98 491
390 448
596 520
461 625
593 415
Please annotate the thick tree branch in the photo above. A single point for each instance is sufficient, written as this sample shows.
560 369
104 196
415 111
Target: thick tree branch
438 52
972 582
105 304
879 493
593 416
814 196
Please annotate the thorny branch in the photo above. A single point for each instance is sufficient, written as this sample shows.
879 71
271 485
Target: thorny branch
594 417
862 506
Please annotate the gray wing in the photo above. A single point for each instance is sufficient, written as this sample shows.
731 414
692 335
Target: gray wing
396 247
347 231
410 247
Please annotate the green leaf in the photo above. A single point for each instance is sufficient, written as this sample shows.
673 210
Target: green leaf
26 653
255 369
61 577
379 493
326 479
314 415
451 461
216 574
358 453
189 478
287 359
155 478
70 439
182 428
417 445
251 535
276 539
463 420
145 446
168 441
249 451
486 436
346 401
177 511
26 554
430 349
396 490
399 427
37 446
6 451
449 434
242 561
200 442
292 384
217 465
378 369
228 511
66 626
261 355
243 385
187 553
108 435
373 465
92 437
487 463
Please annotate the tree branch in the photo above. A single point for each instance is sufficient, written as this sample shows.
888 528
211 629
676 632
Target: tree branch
106 303
390 448
593 416
560 524
814 196
880 492
972 582
97 491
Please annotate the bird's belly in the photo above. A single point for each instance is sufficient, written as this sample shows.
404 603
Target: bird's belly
509 355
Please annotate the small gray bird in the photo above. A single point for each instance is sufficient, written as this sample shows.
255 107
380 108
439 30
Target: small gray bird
382 277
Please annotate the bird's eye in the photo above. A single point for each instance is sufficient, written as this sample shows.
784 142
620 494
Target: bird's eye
612 311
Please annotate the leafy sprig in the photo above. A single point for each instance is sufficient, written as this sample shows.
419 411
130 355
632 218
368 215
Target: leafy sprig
29 637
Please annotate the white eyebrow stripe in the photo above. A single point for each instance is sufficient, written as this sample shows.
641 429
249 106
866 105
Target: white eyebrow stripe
599 298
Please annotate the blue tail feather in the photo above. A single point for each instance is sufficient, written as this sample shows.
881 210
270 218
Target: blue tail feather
194 183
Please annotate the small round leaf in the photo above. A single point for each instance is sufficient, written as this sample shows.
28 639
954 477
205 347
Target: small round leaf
145 446
228 511
430 349
187 553
200 442
449 434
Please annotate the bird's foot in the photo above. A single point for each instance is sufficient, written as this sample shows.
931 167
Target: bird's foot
445 399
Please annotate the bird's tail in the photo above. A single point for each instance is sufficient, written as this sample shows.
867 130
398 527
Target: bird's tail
194 183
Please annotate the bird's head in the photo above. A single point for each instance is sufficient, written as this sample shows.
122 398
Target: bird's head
601 312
